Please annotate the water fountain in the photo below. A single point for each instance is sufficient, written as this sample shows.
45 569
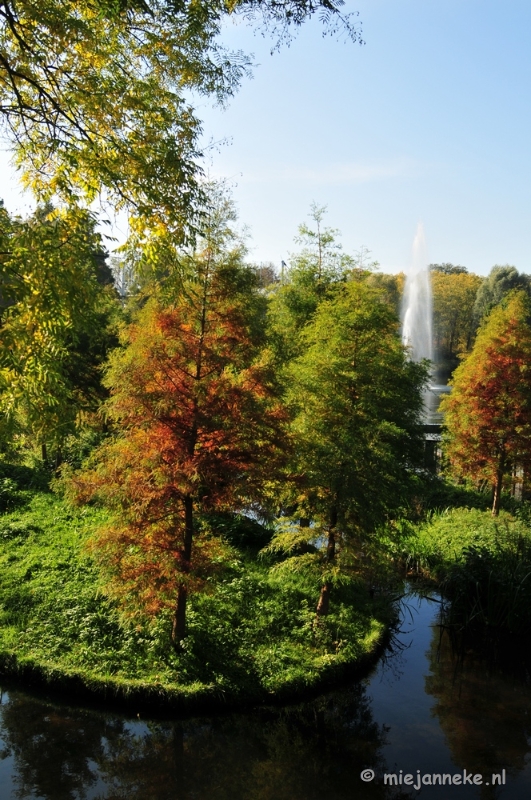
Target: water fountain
417 335
417 303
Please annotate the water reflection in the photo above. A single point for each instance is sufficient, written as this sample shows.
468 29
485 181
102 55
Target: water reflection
316 750
54 752
485 716
419 710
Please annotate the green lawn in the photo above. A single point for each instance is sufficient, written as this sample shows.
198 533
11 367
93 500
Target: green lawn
252 637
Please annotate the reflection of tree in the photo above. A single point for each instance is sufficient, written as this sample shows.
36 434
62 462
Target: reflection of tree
485 716
308 752
52 747
312 751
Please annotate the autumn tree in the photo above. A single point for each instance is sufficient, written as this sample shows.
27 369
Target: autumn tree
454 295
488 413
448 269
356 403
197 428
56 308
97 96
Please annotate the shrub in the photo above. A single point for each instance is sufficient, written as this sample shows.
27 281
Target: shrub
483 565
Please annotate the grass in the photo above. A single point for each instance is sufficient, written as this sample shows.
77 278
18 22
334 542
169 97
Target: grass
483 565
251 638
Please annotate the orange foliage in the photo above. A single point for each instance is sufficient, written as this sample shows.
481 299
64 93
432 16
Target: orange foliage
488 413
193 401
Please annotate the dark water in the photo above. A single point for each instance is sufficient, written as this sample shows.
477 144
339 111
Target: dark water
417 711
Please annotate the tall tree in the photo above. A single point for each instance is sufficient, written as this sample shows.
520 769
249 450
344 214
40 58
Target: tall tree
197 426
356 403
454 326
488 413
55 316
390 286
314 274
96 95
500 281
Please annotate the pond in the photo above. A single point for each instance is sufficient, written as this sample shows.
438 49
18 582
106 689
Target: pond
420 709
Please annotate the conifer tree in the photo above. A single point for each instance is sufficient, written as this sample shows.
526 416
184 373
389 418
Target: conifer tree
488 413
356 402
198 428
315 272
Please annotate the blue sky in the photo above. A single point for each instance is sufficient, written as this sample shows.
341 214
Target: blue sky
428 121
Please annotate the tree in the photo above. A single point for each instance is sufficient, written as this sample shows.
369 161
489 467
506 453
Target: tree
95 96
454 327
488 412
56 308
391 287
198 428
448 269
500 281
357 404
314 274
266 273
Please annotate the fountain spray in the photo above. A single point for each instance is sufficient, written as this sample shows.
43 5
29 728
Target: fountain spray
417 303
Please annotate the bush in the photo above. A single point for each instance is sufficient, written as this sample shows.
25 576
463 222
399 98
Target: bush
438 494
483 565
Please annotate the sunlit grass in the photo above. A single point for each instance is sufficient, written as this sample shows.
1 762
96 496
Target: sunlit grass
250 637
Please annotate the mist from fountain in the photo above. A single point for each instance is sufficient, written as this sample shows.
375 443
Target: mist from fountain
417 328
417 303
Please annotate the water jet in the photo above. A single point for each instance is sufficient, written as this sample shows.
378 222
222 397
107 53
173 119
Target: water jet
417 303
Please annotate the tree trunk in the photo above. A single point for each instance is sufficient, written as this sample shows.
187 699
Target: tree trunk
44 452
323 606
497 493
324 599
58 459
178 631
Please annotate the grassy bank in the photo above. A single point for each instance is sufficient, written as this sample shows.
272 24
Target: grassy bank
483 566
252 638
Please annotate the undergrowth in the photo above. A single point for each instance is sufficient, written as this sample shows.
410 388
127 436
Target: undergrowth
249 636
483 566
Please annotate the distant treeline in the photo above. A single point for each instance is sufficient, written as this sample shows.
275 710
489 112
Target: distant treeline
461 300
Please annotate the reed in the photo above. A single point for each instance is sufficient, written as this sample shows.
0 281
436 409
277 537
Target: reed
483 566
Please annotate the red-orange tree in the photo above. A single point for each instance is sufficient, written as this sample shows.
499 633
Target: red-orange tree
197 420
488 413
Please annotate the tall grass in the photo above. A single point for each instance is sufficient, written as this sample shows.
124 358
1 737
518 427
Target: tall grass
483 566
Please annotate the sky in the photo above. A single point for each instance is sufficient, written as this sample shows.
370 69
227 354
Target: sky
428 121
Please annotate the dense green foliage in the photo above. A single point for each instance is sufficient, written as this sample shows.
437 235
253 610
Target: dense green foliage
500 281
293 401
57 318
483 565
356 404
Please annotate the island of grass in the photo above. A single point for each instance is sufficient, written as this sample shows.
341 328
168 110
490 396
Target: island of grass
482 565
252 638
